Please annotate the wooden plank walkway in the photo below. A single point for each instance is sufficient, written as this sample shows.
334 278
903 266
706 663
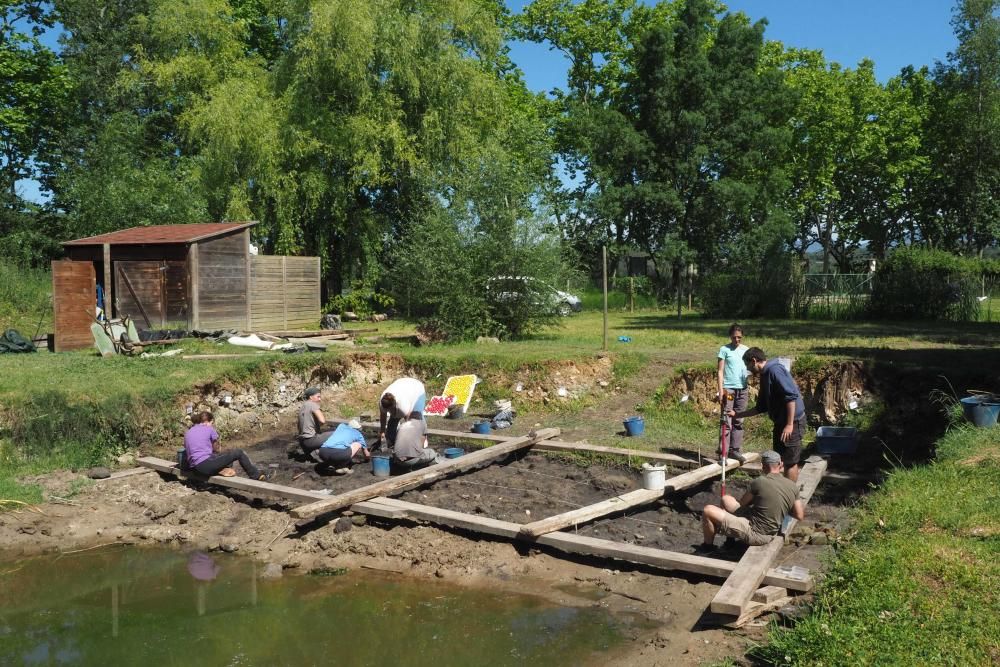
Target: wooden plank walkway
583 545
626 500
734 595
417 478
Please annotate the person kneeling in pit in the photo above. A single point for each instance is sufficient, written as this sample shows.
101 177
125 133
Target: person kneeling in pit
201 442
411 451
757 517
344 444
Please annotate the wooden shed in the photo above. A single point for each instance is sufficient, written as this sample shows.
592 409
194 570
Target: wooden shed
196 276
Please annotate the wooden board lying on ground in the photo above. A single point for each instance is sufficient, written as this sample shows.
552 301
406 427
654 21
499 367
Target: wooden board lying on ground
625 500
420 477
240 483
735 594
550 445
579 544
127 473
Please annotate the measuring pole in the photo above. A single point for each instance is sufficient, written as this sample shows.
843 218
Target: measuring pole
604 272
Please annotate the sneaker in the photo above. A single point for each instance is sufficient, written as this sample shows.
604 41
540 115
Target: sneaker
265 476
343 471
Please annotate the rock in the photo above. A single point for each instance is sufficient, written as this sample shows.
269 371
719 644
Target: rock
487 340
330 321
99 472
126 459
271 571
819 539
343 524
229 548
350 316
359 519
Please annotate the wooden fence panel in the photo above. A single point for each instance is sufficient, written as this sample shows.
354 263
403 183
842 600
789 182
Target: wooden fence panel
74 301
284 292
222 283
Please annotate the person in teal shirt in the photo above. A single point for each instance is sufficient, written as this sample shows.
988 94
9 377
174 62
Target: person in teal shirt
732 378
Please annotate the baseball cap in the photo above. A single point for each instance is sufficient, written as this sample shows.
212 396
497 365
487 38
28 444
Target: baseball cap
770 457
355 423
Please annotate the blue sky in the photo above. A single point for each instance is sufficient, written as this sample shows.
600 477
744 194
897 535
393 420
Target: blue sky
892 33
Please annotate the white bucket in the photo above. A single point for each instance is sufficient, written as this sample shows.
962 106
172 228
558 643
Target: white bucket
654 476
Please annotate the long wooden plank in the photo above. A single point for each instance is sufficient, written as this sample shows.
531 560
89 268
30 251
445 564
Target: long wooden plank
579 544
240 483
623 501
417 478
735 594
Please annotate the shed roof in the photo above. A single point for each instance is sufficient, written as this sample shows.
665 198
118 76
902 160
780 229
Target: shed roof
156 234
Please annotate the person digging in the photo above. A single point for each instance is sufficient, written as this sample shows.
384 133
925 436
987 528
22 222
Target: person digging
755 518
343 447
204 455
311 422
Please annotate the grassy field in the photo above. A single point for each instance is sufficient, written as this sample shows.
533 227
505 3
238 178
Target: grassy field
919 583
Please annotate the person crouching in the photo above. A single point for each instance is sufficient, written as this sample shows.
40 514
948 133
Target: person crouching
411 451
204 455
342 446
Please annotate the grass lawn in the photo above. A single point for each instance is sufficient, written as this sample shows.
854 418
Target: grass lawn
919 583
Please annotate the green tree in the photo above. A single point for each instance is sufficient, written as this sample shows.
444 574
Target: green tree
964 133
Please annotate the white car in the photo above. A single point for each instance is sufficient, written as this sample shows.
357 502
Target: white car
510 289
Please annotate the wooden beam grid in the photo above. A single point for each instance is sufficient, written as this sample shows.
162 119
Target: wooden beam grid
741 596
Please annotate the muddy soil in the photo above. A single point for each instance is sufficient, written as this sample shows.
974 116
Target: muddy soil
675 627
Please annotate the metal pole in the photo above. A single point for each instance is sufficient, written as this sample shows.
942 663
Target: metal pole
604 273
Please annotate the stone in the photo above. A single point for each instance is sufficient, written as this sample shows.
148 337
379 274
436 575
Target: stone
819 539
359 520
330 321
126 459
343 524
100 472
229 548
271 571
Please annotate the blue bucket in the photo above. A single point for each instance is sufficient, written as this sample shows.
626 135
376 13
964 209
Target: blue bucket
979 412
483 428
634 426
380 466
453 452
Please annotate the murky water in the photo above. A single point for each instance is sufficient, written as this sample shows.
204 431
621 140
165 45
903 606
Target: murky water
143 607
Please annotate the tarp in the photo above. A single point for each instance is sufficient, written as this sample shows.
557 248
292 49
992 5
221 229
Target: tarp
13 342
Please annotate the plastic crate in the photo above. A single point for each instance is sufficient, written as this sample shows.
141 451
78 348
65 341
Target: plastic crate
836 439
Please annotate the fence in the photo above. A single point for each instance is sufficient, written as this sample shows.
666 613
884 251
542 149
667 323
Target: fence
284 292
836 296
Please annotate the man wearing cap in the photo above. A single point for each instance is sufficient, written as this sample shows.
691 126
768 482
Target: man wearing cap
756 517
311 421
340 448
780 398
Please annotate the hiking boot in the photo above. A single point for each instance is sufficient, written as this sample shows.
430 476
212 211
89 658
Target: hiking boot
738 456
702 549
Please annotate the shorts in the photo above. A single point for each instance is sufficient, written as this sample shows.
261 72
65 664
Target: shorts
335 456
738 527
791 451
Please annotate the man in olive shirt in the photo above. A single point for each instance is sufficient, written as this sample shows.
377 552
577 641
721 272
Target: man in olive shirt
756 518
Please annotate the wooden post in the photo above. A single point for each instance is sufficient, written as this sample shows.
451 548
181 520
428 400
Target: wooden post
284 295
604 273
195 286
107 282
163 294
246 258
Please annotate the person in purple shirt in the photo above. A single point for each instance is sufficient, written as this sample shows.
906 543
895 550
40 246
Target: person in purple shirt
781 399
201 442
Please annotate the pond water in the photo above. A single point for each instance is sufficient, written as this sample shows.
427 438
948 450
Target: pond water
140 606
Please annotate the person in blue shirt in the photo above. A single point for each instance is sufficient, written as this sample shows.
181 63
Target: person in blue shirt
780 398
342 446
732 379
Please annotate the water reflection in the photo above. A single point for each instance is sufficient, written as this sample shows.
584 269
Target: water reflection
200 608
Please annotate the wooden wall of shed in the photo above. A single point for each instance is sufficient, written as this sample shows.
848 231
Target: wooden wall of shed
222 282
284 293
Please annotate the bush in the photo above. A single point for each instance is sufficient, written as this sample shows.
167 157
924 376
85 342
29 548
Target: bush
774 289
921 284
362 300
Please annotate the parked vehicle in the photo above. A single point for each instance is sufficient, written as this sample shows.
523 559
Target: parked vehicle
513 291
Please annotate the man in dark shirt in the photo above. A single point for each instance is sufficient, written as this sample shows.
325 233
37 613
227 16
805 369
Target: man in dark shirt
311 421
780 398
756 518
